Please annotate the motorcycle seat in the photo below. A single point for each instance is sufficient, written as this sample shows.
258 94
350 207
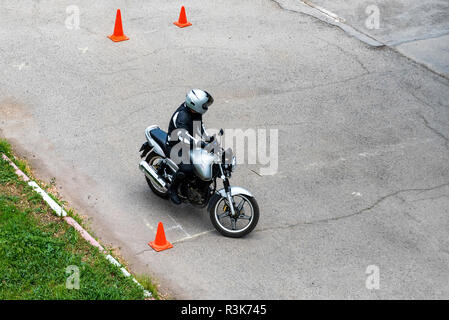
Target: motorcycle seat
160 136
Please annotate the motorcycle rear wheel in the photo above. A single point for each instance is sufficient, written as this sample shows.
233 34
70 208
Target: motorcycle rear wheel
152 160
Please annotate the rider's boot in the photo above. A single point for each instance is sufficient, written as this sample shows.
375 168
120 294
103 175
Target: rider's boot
172 190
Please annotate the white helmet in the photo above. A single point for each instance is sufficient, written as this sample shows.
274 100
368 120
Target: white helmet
199 100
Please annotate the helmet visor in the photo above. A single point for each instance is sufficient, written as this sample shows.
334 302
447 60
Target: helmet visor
209 101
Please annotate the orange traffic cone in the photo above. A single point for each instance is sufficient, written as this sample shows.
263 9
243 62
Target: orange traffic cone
118 29
182 21
160 243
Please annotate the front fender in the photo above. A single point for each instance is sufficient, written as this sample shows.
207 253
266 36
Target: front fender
235 191
222 194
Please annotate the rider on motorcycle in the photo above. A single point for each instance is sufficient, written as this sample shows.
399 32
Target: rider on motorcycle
186 124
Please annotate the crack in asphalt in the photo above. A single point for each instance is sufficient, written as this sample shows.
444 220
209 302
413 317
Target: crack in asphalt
140 252
317 86
276 3
422 38
346 53
438 133
422 101
372 206
431 198
364 210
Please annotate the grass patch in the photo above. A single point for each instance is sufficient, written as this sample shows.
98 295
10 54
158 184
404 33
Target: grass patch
5 147
149 285
37 249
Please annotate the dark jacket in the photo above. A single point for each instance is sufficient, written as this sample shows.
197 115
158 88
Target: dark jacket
185 121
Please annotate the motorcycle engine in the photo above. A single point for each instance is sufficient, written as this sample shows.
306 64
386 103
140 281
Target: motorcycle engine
197 192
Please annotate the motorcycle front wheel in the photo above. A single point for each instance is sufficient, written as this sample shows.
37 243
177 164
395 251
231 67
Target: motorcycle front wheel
247 215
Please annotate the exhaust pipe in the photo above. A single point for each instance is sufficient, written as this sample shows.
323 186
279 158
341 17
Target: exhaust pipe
150 173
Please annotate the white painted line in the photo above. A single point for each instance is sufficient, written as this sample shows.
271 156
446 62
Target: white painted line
125 272
18 171
84 233
325 11
193 236
112 260
148 224
52 203
20 66
174 227
62 213
83 50
179 226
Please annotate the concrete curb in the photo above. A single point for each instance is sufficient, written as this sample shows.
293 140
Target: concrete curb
60 212
326 16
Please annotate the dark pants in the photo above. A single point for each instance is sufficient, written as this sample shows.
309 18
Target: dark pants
186 169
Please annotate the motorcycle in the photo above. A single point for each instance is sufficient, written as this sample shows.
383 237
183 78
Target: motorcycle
233 211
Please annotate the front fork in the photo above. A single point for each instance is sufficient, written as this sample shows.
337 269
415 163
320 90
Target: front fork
228 192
